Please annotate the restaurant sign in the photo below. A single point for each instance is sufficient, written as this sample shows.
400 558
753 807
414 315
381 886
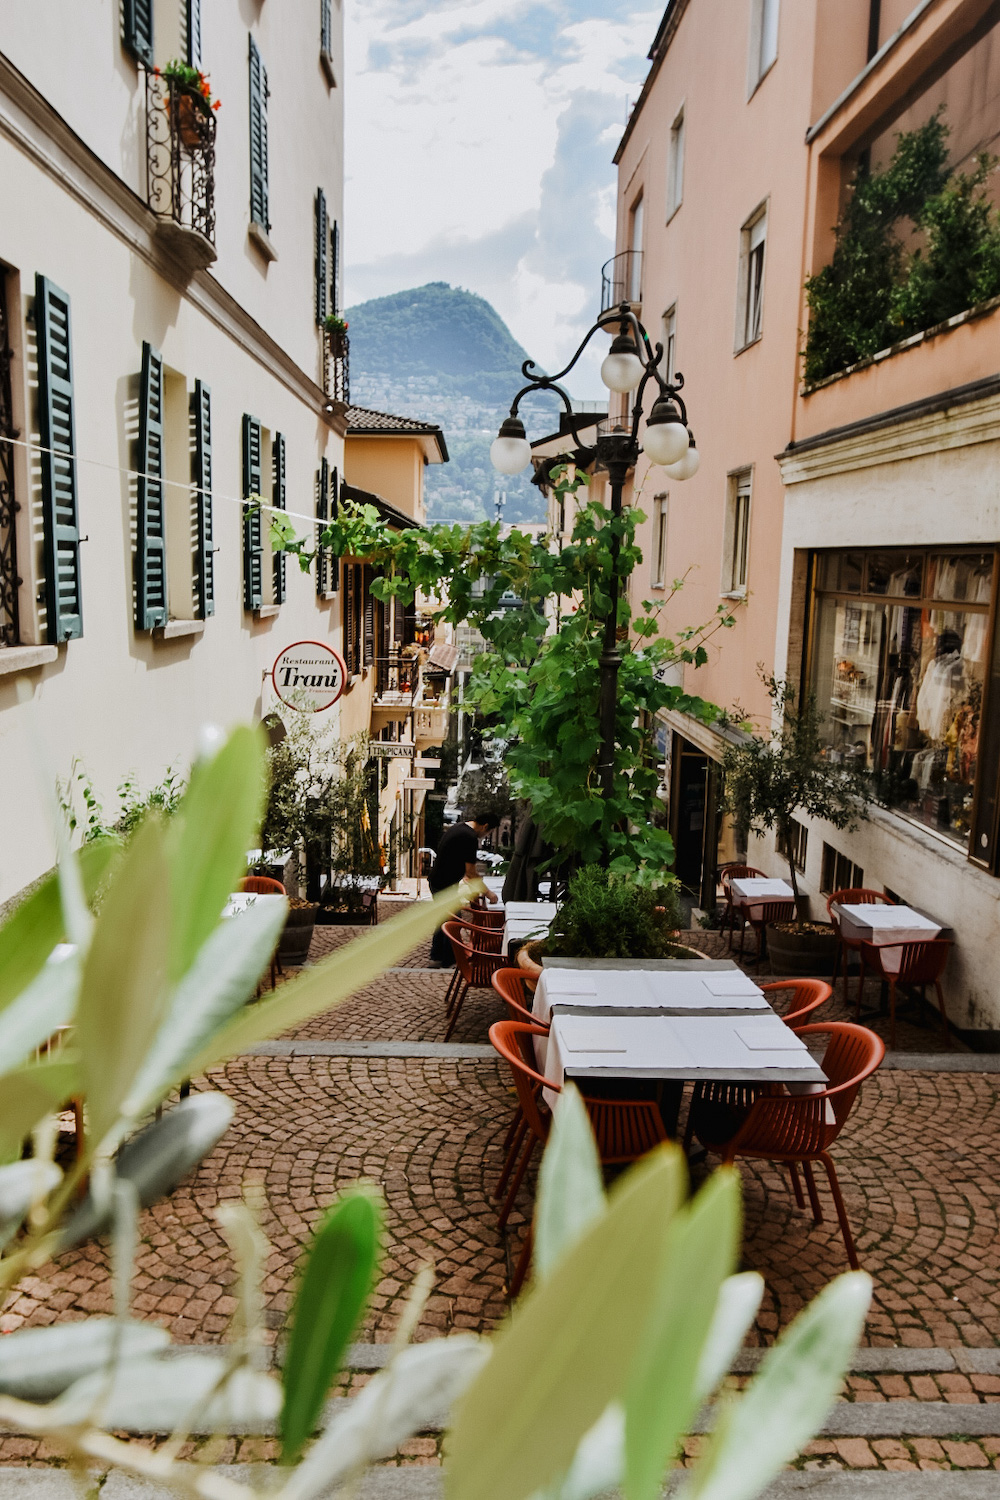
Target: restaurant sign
309 676
390 750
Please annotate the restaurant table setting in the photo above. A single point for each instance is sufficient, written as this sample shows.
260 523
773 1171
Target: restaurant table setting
526 920
697 990
240 901
886 927
754 891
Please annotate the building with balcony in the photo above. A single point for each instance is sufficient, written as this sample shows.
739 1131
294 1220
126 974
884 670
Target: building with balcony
167 271
852 522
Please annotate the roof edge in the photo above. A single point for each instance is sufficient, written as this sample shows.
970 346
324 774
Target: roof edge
667 30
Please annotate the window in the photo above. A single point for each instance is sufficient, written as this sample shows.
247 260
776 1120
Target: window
193 19
10 633
838 872
322 264
750 308
799 840
675 165
900 665
326 41
137 29
669 340
335 269
659 561
763 39
327 505
635 247
278 501
57 441
737 534
258 140
353 609
201 476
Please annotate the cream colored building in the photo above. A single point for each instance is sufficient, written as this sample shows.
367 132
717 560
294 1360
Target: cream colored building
164 275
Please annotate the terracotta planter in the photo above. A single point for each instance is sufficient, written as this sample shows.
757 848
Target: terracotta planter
802 955
190 121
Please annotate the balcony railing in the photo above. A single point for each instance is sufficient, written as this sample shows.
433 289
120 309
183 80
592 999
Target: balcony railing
621 279
337 365
397 682
180 164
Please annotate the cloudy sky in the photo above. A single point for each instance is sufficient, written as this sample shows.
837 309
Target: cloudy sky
479 142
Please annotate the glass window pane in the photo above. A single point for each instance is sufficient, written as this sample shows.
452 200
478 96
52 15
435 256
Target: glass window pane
899 574
964 577
840 571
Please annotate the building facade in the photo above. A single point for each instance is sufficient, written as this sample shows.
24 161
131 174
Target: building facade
852 524
168 274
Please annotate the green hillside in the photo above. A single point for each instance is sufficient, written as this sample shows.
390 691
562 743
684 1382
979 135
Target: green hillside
444 355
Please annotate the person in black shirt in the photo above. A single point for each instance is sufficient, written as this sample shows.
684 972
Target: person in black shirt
456 860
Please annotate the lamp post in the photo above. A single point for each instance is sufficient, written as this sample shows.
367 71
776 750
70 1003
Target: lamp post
631 364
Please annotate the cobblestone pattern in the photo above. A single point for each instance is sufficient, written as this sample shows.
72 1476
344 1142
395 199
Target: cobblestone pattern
959 1452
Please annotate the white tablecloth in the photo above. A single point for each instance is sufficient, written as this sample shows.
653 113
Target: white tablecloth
886 926
758 889
539 910
239 901
646 991
754 1049
522 929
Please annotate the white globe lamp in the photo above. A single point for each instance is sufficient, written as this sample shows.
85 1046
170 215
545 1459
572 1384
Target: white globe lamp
622 367
686 467
665 440
510 451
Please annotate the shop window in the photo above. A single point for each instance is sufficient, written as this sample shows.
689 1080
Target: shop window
899 664
839 873
736 540
798 840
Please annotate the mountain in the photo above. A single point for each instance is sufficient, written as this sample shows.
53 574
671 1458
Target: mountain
445 355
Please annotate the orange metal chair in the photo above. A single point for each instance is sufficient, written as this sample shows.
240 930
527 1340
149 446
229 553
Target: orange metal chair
759 914
261 885
474 971
732 913
799 1129
805 996
625 1129
858 895
920 964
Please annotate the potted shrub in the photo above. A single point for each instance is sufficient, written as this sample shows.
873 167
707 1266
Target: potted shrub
191 95
607 915
768 779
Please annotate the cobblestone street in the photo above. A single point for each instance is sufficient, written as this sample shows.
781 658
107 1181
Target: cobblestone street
368 1091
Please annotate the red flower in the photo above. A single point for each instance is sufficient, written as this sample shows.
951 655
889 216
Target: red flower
217 104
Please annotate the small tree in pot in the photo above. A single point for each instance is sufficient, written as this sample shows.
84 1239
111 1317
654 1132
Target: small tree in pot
770 778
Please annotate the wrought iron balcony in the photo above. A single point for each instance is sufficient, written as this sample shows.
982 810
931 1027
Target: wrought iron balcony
397 682
621 279
337 364
180 169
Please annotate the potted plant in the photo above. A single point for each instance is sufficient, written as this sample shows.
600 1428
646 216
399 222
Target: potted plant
335 328
191 94
768 779
607 915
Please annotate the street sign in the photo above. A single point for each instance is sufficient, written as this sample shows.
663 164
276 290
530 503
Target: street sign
390 750
309 676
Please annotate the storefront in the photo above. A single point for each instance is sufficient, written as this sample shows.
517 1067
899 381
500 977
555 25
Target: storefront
899 648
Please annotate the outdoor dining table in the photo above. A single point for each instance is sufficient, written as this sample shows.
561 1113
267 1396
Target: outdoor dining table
886 927
240 901
695 990
755 1048
755 890
523 929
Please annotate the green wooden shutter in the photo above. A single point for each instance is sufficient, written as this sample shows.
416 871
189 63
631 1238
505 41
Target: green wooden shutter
258 138
335 269
322 516
253 546
194 33
350 655
137 29
278 500
201 410
325 28
368 632
63 595
151 515
322 230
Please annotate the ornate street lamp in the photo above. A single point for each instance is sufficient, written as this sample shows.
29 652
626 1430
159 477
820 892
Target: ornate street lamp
631 364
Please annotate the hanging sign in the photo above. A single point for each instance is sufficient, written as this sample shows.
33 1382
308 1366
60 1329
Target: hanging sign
390 750
309 676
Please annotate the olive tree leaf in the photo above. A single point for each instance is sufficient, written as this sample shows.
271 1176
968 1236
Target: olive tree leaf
738 1304
31 1093
570 1350
48 1003
122 995
336 1284
37 1364
208 838
662 1395
787 1402
570 1187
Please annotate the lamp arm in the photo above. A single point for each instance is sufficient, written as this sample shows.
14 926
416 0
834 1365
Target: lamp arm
548 383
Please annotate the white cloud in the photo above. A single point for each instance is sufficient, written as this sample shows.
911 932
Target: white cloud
479 146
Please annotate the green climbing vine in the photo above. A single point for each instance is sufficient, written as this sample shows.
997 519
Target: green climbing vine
875 291
538 685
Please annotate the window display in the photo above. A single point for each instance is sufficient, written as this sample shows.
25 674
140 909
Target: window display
899 659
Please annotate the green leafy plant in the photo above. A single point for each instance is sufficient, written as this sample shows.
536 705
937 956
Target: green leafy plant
133 803
874 291
769 778
193 80
335 324
541 684
608 915
631 1322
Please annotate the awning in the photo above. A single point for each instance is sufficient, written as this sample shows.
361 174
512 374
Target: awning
443 655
